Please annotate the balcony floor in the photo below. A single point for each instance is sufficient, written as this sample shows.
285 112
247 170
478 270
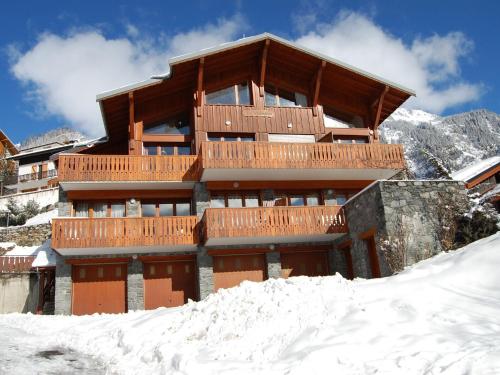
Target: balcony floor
267 240
125 250
279 174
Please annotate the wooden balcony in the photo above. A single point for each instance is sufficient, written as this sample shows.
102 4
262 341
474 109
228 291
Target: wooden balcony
222 161
84 236
259 225
82 172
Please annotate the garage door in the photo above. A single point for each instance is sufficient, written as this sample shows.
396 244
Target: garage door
99 288
306 263
231 270
169 284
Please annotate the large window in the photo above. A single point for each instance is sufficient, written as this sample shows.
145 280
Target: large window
178 207
230 137
235 199
99 209
297 199
235 94
277 97
167 149
176 125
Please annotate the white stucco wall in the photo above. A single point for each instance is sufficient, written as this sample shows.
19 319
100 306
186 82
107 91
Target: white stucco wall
15 293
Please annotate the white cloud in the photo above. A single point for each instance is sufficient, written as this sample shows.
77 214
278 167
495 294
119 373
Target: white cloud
430 66
63 74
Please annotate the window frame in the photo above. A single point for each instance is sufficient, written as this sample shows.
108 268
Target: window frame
159 145
275 93
90 209
303 193
242 193
222 136
173 201
236 93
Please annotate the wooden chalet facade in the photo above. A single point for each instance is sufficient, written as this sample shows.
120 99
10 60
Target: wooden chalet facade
233 167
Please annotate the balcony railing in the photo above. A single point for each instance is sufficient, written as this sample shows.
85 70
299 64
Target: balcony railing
264 155
37 175
273 221
124 232
15 264
80 167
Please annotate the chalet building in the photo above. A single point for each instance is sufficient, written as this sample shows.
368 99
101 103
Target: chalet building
8 167
482 178
234 166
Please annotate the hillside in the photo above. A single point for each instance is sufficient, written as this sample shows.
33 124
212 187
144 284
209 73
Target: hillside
62 135
439 316
436 146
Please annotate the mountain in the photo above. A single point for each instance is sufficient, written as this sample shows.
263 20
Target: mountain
61 135
436 146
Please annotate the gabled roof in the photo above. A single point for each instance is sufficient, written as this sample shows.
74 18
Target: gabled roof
8 143
242 42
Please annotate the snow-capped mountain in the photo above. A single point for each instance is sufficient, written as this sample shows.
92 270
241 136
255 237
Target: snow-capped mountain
437 146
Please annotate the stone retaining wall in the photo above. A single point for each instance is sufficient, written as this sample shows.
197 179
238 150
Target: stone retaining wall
30 235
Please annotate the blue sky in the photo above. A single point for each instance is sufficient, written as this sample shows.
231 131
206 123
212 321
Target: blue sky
55 56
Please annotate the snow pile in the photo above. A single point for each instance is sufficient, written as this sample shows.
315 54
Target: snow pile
45 256
440 316
471 171
43 218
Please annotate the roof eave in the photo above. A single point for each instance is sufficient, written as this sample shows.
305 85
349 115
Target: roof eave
239 43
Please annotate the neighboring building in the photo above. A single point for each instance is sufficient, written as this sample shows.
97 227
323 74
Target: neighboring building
8 167
483 178
233 167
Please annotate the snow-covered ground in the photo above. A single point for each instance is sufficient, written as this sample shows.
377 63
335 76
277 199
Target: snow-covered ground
441 316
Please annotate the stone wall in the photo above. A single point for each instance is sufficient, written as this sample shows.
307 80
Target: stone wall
31 235
410 221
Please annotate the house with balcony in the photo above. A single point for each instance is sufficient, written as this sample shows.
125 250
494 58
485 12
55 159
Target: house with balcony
234 166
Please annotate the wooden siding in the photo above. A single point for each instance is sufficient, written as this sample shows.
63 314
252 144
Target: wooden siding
14 264
124 232
249 119
79 167
273 221
265 155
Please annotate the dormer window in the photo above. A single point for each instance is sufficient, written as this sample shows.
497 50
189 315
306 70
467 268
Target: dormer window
176 125
277 97
232 95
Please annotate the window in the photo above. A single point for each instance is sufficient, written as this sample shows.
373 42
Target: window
339 197
349 139
175 125
179 207
166 149
235 199
297 199
277 97
334 118
236 94
99 209
230 137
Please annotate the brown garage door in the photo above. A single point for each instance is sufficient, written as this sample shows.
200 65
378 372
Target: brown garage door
169 284
306 263
231 270
99 288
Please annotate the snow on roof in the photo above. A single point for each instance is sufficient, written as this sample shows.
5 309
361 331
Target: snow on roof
45 256
476 169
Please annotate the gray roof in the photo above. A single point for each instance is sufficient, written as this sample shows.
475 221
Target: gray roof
242 42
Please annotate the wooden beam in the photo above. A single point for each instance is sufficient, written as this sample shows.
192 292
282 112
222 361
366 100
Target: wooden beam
263 64
317 85
199 89
379 110
131 114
